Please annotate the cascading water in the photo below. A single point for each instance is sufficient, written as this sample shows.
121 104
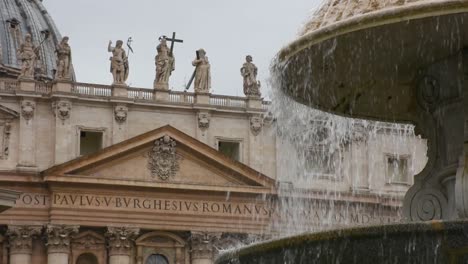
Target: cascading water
396 61
327 166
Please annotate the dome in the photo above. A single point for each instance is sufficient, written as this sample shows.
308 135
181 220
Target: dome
18 18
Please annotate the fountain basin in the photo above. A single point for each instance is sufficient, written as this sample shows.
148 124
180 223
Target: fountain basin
370 65
412 243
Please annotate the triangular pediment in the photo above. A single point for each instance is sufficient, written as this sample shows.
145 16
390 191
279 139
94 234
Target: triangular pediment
166 158
8 113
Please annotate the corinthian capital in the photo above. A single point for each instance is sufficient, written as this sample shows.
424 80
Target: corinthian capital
20 238
202 244
59 236
120 239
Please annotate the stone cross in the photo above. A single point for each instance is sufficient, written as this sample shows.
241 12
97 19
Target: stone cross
172 40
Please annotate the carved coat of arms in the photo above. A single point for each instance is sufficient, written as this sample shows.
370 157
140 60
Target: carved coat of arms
163 161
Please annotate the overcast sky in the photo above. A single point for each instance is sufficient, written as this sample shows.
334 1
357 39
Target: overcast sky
227 29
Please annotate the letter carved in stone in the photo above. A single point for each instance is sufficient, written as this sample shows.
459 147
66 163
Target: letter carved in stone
203 120
59 237
163 160
27 109
120 113
20 238
120 239
256 124
62 109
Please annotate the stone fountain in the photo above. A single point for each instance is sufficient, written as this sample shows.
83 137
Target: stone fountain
400 61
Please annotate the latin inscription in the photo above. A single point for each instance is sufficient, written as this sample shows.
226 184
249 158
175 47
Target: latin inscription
315 214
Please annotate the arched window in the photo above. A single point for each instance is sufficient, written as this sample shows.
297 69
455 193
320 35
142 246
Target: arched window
157 259
87 258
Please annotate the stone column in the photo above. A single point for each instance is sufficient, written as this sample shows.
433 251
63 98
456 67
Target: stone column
27 135
120 243
20 240
202 247
63 130
58 243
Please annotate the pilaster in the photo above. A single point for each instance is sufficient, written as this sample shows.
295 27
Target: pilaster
119 123
27 135
120 242
62 109
20 241
58 243
202 247
203 126
255 141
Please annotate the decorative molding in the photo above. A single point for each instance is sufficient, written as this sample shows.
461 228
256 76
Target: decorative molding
59 237
88 240
256 124
27 109
163 161
120 239
20 238
204 119
120 113
62 109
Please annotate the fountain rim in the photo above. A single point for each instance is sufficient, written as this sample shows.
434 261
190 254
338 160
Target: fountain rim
372 20
435 226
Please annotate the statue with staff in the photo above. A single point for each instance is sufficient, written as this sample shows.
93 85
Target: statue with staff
28 54
119 62
165 62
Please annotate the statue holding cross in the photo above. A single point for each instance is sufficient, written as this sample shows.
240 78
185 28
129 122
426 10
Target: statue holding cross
165 62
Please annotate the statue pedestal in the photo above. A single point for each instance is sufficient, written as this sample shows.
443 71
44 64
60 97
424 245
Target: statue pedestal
27 84
254 102
202 98
119 90
62 86
160 86
161 95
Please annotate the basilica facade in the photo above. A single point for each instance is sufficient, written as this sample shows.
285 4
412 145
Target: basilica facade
115 174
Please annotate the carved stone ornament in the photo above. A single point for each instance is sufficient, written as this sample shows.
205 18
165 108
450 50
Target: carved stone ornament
163 161
5 151
120 113
202 244
88 240
203 120
120 239
27 109
58 238
62 109
20 238
256 124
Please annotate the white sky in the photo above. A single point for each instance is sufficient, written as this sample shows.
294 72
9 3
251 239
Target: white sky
227 29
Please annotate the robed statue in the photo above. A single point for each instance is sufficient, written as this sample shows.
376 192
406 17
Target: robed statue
28 56
119 63
249 72
202 72
165 64
64 60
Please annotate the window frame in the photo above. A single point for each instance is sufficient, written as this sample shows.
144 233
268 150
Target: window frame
240 141
389 178
80 129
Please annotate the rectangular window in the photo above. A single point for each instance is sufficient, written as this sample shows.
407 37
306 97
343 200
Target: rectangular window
320 162
230 149
397 169
90 142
